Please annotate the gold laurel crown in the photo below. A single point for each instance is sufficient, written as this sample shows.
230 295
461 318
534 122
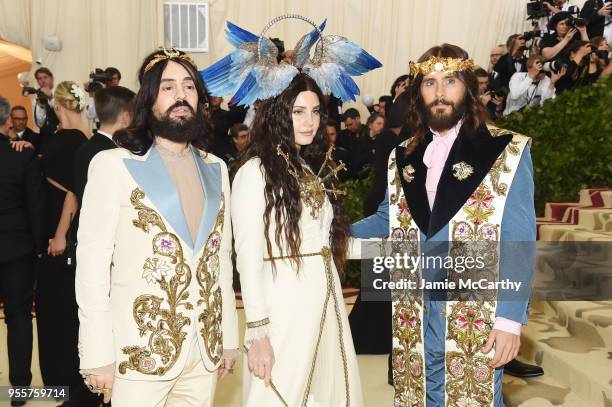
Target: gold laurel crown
440 64
168 53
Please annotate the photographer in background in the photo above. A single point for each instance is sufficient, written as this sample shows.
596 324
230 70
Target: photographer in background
514 61
578 71
601 56
597 14
399 95
99 79
496 53
531 88
384 103
563 28
552 8
44 114
493 101
113 76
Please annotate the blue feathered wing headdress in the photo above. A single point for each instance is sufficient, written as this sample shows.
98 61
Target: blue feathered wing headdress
252 72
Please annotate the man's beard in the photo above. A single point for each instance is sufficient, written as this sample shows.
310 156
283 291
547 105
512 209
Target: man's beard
179 129
443 121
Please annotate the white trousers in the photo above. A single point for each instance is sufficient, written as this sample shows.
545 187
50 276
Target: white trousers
194 387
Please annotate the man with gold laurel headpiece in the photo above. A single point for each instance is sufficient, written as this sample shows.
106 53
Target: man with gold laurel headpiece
158 321
457 189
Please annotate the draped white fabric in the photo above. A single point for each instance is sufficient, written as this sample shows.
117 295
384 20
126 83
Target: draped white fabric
101 33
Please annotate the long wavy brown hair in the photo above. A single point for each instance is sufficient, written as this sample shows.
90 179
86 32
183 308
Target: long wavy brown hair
475 112
272 127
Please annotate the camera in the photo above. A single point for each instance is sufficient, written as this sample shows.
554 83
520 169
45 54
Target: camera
536 9
98 79
601 53
28 91
554 66
576 22
529 35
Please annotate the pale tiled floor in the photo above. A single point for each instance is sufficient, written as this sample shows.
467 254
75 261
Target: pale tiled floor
373 377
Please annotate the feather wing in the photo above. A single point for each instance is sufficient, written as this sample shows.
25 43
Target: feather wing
240 73
333 67
302 48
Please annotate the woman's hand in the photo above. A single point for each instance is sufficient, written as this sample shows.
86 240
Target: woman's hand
261 359
57 245
570 35
226 368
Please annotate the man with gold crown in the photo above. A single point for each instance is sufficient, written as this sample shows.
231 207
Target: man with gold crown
158 321
457 188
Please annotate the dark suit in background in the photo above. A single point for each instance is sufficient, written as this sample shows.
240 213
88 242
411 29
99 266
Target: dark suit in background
98 142
505 68
595 22
222 145
83 156
31 136
21 237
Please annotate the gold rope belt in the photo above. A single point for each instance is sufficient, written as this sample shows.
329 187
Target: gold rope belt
325 252
327 256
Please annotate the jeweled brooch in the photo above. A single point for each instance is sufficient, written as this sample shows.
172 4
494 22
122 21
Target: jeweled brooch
408 173
462 170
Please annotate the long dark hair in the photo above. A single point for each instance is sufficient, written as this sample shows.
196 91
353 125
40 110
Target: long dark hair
272 127
138 137
475 112
397 81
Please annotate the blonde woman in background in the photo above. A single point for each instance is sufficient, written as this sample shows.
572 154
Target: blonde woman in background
56 308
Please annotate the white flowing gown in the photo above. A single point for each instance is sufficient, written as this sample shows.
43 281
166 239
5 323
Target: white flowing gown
315 361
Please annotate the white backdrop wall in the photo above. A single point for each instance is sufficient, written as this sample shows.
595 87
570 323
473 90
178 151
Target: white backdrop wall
101 33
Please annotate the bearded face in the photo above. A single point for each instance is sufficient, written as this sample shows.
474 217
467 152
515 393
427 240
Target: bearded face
174 112
178 128
442 100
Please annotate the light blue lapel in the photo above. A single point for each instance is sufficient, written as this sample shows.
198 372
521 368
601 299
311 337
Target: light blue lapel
153 178
210 177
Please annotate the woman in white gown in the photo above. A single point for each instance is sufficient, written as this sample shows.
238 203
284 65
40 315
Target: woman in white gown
291 235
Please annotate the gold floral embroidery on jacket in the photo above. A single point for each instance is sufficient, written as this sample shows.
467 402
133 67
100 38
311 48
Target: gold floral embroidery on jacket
207 275
469 378
408 363
159 317
394 196
500 166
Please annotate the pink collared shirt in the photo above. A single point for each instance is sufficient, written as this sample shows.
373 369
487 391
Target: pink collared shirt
435 158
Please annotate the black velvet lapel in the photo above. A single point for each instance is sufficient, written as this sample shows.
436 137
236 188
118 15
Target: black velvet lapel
415 192
480 150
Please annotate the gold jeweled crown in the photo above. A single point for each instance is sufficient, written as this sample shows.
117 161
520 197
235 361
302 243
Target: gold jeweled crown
168 53
440 64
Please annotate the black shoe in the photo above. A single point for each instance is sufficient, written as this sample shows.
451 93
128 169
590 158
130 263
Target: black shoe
519 369
390 377
18 403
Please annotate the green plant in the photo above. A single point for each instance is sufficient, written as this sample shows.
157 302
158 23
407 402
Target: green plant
356 191
571 142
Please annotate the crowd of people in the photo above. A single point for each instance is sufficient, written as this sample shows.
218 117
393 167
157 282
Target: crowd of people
44 174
